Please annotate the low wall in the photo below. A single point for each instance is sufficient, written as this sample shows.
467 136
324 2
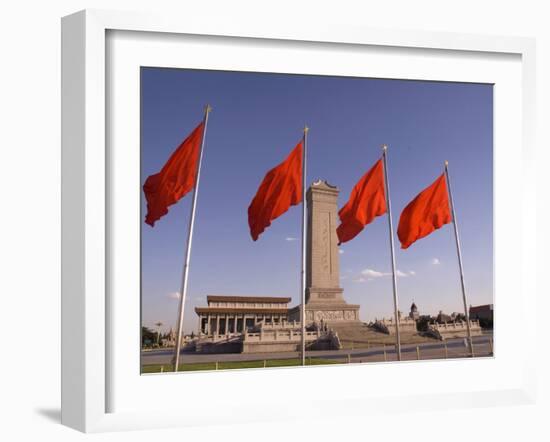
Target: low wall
406 325
269 339
282 340
269 347
450 330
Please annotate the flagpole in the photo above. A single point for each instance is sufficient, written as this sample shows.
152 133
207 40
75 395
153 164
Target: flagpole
304 231
183 291
392 249
459 253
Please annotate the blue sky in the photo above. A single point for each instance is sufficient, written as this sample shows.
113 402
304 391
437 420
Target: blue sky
257 119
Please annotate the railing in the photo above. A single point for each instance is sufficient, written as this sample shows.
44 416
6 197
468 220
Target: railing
273 334
456 325
218 338
390 321
280 336
282 325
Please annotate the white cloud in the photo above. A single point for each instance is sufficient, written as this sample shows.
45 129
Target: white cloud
174 295
373 273
360 279
290 238
340 251
436 261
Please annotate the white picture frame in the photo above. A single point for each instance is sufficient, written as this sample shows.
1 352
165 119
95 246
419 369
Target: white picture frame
86 315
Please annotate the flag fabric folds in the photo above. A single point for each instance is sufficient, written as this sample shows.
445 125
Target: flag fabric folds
366 202
427 212
280 189
175 179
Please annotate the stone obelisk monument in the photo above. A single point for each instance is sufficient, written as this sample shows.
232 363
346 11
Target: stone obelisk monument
324 296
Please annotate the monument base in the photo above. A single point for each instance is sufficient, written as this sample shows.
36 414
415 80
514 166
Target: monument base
317 312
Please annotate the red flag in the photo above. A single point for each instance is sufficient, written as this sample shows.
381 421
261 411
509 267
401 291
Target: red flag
175 179
366 202
280 189
427 212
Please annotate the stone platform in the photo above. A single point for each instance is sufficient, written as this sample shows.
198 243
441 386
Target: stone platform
327 313
267 338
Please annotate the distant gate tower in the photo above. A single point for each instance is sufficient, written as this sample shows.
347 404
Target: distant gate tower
324 296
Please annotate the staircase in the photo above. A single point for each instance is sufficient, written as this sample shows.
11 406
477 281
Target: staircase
358 334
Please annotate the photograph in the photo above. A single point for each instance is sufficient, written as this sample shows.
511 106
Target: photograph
295 220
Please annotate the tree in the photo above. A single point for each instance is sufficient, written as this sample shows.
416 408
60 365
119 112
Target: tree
148 336
159 325
423 322
486 323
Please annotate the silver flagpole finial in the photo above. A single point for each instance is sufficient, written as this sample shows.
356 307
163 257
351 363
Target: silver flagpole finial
208 108
384 147
306 129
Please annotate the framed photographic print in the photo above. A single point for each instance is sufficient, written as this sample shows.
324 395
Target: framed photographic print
250 212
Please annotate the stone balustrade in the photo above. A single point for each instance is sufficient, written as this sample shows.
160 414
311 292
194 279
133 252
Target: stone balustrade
406 325
474 323
219 338
271 339
456 329
281 335
403 320
284 325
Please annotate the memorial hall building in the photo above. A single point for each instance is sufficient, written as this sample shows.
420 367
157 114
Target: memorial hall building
237 314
